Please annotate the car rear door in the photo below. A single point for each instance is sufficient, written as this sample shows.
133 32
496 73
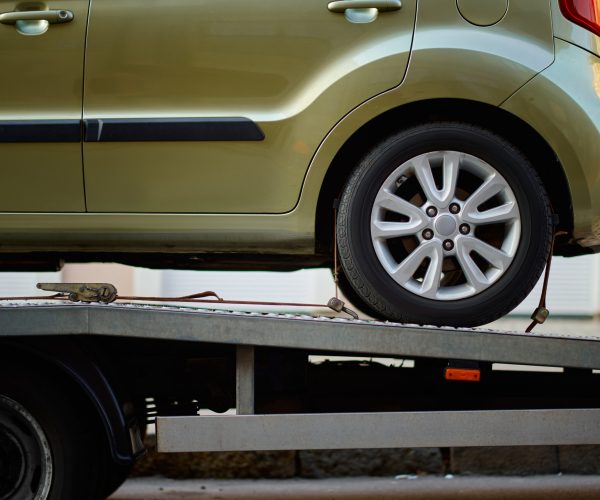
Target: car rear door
41 105
218 106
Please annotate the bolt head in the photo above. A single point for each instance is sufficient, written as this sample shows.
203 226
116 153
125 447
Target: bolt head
431 211
454 208
448 245
464 229
427 234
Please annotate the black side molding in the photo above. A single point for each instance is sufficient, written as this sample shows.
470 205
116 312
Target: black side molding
171 129
131 130
40 131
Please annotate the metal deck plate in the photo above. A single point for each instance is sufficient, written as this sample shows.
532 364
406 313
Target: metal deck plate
302 332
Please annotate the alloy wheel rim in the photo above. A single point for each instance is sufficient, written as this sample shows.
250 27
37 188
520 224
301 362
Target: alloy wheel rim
445 225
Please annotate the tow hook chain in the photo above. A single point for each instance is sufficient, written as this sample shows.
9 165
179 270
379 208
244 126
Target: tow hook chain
106 293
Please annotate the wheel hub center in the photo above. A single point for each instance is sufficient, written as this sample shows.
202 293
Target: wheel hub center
445 225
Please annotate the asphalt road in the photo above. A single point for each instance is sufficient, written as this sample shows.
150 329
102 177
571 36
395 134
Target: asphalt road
403 487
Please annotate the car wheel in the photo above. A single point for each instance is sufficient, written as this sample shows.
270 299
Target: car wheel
443 224
48 449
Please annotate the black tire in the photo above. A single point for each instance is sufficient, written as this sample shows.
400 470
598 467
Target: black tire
355 300
384 297
54 441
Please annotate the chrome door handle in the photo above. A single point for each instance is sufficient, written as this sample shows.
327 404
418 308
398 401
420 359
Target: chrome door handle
342 6
51 16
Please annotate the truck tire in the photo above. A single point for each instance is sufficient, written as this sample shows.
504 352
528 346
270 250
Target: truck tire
49 440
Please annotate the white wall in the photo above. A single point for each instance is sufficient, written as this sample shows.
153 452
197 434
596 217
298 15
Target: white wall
574 285
573 288
23 284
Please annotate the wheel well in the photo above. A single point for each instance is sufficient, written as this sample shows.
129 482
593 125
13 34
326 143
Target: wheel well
73 369
492 118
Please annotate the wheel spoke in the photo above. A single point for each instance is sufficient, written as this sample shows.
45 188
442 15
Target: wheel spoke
490 188
433 276
495 257
425 177
451 169
439 197
471 270
393 203
407 268
386 230
503 213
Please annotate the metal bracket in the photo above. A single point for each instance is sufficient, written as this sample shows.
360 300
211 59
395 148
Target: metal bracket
340 306
245 380
540 315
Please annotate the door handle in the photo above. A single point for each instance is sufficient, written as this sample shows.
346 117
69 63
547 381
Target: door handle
50 16
342 6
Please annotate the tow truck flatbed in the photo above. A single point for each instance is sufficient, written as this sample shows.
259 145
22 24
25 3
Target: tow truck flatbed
248 331
122 364
299 332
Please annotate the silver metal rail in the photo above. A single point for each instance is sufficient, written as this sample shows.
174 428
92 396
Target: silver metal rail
378 430
299 332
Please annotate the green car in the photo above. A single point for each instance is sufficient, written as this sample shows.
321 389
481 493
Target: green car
442 144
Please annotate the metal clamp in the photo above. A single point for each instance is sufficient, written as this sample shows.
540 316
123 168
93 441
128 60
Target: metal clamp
83 292
339 306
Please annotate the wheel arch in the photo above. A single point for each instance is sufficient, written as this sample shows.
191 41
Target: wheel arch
76 368
492 118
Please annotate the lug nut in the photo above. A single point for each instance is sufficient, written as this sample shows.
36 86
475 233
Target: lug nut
454 208
428 234
431 211
448 245
464 229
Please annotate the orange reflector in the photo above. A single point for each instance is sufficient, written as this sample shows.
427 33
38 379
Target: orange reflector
463 374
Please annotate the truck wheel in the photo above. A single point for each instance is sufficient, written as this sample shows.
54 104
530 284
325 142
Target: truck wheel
48 449
443 224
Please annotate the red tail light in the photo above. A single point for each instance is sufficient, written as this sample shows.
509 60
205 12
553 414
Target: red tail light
586 13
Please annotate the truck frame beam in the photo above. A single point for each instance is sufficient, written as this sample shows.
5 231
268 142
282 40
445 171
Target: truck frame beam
378 430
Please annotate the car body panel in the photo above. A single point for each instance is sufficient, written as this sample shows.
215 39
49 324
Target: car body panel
42 80
294 68
470 64
451 58
562 104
